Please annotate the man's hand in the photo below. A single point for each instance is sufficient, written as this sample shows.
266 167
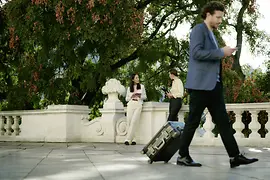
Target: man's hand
169 95
228 51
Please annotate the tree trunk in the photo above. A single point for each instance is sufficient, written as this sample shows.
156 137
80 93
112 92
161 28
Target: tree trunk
239 29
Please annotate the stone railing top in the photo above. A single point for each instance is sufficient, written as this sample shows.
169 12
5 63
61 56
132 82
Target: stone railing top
159 106
68 107
50 109
148 106
248 106
164 106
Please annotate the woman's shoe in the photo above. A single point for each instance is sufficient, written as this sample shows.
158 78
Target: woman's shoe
133 143
126 143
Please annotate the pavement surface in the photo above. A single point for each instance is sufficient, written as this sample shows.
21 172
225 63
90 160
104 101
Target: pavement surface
106 161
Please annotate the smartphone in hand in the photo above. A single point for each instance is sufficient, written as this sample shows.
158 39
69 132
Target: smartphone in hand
237 47
136 95
165 90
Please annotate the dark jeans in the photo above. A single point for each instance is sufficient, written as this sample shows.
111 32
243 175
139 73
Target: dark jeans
214 101
174 108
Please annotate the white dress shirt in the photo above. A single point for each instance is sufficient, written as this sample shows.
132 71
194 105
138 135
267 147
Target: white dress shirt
177 89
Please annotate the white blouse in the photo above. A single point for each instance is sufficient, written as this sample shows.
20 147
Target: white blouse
142 91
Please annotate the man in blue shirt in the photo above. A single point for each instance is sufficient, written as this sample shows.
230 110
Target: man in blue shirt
204 83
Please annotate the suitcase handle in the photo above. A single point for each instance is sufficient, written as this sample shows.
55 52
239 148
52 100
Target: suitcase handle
179 129
160 145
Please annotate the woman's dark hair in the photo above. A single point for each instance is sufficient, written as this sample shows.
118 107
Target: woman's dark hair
132 83
174 72
211 7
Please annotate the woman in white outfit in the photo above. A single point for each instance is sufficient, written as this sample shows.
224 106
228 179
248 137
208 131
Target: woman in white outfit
135 96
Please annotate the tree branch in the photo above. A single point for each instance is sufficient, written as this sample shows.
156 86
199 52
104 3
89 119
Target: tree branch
157 73
124 61
175 58
159 26
142 4
232 25
134 55
171 28
172 56
239 29
150 20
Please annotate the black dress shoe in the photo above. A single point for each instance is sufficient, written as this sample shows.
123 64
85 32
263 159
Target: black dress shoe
126 143
241 160
187 161
133 143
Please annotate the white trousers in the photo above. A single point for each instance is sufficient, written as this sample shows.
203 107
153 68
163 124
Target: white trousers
134 109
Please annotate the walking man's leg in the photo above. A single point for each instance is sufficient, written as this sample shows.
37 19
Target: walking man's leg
196 107
220 117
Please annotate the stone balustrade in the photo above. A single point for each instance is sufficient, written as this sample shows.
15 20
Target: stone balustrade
10 125
68 123
57 123
154 115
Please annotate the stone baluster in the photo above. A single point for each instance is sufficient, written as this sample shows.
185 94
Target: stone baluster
254 125
8 125
16 126
2 125
267 125
112 111
208 126
238 125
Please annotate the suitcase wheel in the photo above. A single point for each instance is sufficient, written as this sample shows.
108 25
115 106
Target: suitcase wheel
166 162
142 151
150 161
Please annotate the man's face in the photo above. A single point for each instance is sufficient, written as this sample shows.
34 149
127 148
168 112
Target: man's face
171 76
216 19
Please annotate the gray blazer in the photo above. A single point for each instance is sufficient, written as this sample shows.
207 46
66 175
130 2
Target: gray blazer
204 59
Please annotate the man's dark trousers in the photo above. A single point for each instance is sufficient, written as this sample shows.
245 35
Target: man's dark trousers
174 108
214 101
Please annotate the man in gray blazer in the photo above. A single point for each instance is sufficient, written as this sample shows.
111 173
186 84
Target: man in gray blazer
204 83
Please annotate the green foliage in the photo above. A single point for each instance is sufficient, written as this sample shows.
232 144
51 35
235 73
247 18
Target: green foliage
62 52
65 48
94 111
154 64
242 91
263 80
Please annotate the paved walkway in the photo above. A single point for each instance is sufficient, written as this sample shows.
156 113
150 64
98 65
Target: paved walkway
103 161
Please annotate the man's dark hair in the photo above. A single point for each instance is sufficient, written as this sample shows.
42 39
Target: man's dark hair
174 72
211 7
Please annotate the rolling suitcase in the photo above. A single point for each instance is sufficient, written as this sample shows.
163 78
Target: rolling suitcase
165 143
